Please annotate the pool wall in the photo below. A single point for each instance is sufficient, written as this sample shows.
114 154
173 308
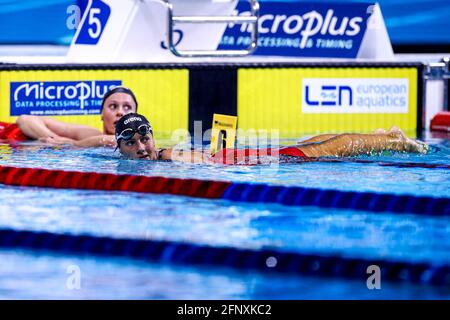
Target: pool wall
294 98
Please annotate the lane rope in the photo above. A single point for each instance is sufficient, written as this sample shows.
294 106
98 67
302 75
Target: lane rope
232 191
265 260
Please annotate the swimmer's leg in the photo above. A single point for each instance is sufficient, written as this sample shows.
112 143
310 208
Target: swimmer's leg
346 145
324 137
318 138
379 131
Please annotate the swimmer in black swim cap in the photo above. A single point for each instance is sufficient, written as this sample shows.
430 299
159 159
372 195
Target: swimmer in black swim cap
134 137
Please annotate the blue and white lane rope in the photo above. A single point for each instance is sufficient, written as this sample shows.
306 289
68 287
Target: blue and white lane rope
271 260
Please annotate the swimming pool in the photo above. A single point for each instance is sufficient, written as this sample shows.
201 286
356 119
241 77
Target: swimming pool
234 225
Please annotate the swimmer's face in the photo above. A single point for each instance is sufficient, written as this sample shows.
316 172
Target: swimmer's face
116 106
139 147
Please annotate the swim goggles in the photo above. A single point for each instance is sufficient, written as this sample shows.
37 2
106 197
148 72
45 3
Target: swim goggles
129 133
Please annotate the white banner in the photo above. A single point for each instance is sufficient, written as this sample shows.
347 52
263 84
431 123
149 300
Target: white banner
355 95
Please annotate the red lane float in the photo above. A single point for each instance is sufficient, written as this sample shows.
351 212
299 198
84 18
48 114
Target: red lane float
111 182
10 131
441 122
242 192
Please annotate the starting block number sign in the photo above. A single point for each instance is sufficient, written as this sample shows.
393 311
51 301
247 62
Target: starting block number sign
100 31
94 23
136 31
223 135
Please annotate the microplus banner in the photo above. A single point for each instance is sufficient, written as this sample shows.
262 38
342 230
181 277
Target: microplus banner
59 97
303 29
287 29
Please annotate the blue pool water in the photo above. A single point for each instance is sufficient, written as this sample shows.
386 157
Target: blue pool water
340 176
359 234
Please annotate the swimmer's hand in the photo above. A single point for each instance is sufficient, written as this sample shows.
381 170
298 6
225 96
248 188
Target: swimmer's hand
97 141
57 140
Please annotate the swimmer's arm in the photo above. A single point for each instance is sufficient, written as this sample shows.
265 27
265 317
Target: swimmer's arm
185 156
97 141
346 145
34 127
37 127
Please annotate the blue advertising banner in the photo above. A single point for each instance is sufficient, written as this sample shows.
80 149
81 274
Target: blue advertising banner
58 97
303 29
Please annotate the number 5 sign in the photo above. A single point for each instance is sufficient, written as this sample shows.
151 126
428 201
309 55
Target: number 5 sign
93 23
103 30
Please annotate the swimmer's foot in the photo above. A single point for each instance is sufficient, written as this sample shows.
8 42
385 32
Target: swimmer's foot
410 145
421 147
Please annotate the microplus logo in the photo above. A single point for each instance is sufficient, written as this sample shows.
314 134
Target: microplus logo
306 25
311 29
58 97
355 95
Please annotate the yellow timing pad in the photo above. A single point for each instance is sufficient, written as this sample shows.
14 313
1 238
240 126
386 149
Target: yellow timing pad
5 152
223 133
163 95
273 99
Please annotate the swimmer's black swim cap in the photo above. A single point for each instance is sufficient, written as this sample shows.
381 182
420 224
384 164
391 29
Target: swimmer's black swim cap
130 124
119 89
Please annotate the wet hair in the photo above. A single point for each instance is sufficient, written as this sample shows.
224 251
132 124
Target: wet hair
119 89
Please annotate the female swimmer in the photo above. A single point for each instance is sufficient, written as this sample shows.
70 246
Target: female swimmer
116 103
134 137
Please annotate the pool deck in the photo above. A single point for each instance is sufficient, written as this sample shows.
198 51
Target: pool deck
51 54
